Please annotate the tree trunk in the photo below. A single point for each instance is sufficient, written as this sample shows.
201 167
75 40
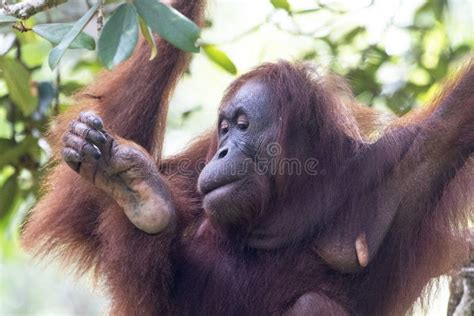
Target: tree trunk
461 300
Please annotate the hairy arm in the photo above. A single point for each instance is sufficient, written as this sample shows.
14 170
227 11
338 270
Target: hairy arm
84 216
423 158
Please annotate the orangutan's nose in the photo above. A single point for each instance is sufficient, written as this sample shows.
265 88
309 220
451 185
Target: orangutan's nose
222 153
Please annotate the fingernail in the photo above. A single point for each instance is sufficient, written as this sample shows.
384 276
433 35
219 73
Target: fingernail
101 138
97 123
97 155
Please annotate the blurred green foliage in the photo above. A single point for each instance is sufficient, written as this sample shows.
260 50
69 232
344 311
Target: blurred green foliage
30 94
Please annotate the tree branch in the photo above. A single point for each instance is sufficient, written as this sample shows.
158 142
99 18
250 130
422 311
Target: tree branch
461 301
25 9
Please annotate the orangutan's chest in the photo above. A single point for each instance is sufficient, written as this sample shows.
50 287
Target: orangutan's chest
208 282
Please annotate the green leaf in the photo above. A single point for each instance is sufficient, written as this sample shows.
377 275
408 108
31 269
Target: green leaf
6 42
18 81
6 19
70 87
169 24
91 66
7 195
220 58
148 37
310 55
281 4
57 53
119 36
460 51
5 144
40 48
349 36
439 7
14 153
55 32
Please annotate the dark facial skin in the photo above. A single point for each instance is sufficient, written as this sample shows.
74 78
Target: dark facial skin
235 191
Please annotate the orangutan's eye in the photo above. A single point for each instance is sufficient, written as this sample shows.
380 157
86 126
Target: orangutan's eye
242 122
224 126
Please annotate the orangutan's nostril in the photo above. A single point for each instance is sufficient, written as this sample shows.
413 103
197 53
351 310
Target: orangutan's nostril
222 153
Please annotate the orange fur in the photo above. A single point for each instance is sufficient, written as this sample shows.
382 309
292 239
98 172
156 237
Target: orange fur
81 225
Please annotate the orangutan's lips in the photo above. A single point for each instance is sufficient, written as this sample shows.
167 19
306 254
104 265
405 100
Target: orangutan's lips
214 185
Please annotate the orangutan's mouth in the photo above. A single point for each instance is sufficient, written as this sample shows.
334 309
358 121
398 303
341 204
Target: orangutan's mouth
212 186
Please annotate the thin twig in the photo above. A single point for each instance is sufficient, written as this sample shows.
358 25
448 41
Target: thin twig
21 27
100 16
